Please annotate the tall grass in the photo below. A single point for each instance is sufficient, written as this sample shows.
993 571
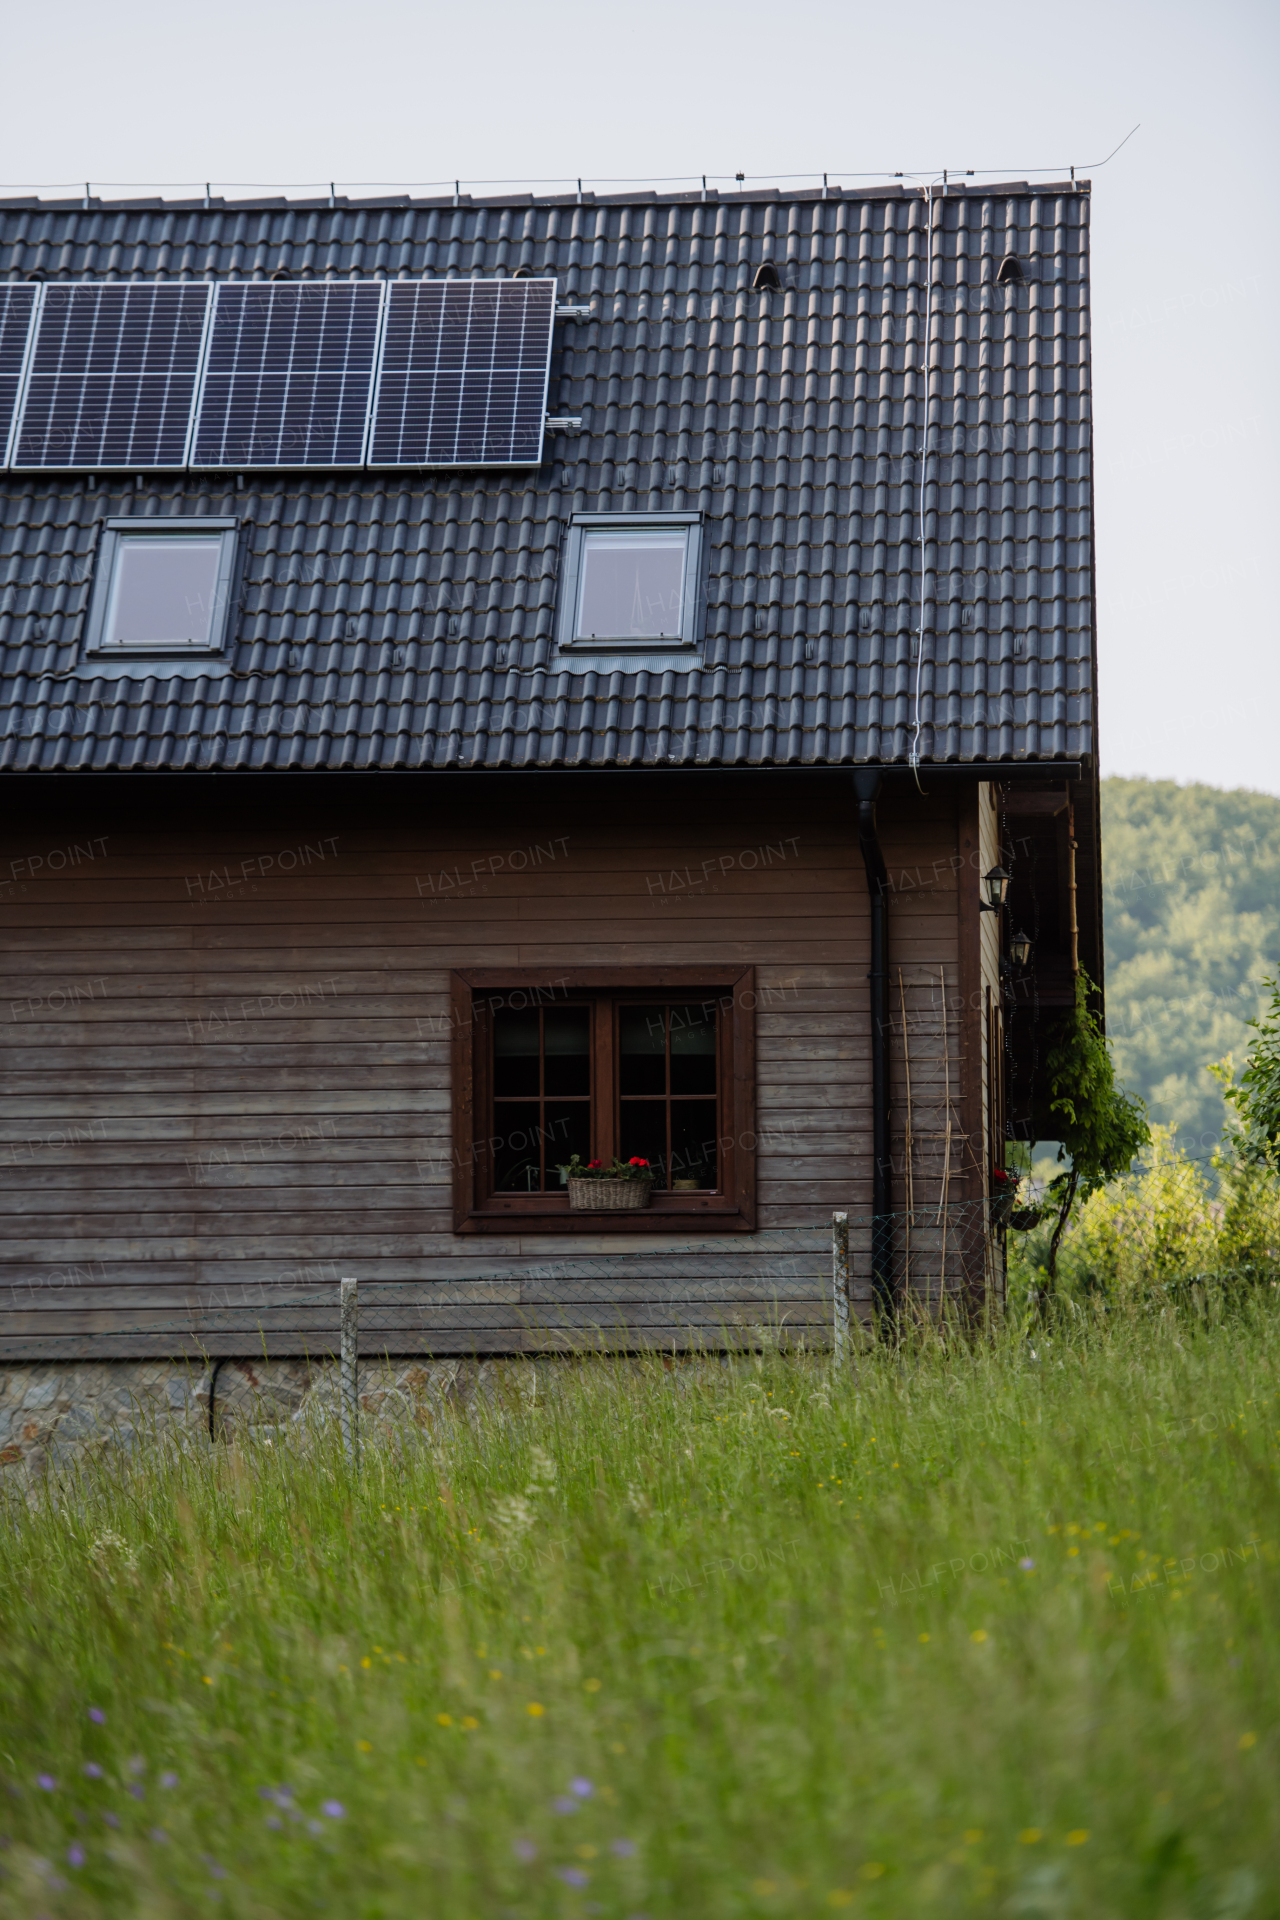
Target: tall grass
986 1627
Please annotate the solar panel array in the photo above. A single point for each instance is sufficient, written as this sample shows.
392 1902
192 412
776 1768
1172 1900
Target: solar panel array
443 373
112 376
17 305
288 375
464 373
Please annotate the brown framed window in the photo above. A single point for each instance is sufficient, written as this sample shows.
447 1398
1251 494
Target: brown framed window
656 1063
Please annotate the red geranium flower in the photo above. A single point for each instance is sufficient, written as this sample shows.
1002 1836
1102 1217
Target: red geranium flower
998 1174
591 1164
639 1163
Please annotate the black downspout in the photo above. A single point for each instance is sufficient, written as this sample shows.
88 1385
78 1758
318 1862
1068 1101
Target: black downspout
866 785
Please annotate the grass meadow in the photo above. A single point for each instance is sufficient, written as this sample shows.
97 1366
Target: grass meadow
969 1627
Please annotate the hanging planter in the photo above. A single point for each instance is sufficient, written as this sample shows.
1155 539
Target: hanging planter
1004 1196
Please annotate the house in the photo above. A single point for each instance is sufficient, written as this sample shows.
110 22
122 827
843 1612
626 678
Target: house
491 679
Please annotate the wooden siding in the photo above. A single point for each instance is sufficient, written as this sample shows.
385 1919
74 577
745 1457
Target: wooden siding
226 1046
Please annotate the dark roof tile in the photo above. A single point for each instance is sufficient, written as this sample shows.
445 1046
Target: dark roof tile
397 621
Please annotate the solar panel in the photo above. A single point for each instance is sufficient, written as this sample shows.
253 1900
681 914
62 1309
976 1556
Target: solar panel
463 379
288 374
17 304
112 376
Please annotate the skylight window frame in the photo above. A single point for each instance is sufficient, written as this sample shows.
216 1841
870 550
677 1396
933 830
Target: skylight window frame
98 654
689 639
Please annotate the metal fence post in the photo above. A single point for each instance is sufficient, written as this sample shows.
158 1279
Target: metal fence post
840 1283
349 1352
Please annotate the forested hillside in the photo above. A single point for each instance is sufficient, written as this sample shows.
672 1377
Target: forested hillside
1191 880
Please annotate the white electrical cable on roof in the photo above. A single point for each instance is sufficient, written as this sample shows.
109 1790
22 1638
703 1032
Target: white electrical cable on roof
914 756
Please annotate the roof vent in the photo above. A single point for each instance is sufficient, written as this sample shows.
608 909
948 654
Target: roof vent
523 273
766 279
281 273
37 273
1009 273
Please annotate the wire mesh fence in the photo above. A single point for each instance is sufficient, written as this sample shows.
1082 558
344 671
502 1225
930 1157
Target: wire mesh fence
261 1358
796 1281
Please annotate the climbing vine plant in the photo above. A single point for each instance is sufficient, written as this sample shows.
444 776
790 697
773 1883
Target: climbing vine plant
1102 1129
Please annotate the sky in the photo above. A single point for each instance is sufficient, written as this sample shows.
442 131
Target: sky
1186 367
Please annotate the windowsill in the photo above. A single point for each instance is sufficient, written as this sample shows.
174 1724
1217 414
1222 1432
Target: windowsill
550 1213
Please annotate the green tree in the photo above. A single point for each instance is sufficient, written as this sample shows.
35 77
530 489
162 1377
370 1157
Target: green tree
1103 1128
1256 1098
1191 895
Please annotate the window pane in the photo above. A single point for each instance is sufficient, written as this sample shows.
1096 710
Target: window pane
517 1157
642 1067
644 1135
693 1049
567 1125
632 586
693 1141
515 1053
565 1040
163 592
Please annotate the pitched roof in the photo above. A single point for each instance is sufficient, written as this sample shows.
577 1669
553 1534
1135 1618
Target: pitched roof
394 620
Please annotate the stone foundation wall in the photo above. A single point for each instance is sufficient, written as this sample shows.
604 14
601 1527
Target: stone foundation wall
52 1413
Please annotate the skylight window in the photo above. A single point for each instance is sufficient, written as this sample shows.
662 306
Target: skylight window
631 583
163 588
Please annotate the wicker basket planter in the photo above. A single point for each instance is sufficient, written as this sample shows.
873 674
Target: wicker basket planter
608 1196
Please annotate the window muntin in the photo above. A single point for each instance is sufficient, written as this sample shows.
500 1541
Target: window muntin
163 592
162 589
542 1097
668 1085
665 1059
525 1096
632 584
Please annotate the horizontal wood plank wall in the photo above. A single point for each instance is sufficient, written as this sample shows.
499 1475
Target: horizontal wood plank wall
226 1054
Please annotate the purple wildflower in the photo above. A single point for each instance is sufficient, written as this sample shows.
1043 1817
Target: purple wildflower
75 1856
47 1781
266 1793
573 1876
216 1872
623 1848
583 1788
565 1805
137 1764
158 1834
112 1819
97 1716
136 1791
92 1771
314 1826
1026 1565
168 1779
274 1821
332 1809
524 1850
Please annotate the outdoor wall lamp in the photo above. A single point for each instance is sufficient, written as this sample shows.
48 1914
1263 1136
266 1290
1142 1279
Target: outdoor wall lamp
997 885
1020 950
